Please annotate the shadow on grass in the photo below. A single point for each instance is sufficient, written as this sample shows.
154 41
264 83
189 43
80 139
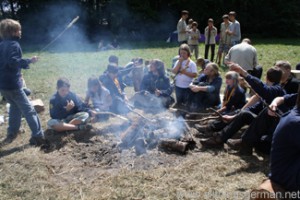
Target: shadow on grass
13 150
59 140
254 165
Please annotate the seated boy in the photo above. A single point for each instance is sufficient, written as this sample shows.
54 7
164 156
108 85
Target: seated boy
66 109
116 87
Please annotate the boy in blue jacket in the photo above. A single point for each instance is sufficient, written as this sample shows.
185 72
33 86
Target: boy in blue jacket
67 111
11 64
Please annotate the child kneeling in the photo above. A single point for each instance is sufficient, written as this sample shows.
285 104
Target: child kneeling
67 111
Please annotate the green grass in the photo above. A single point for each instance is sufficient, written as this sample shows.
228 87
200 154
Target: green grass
78 66
27 173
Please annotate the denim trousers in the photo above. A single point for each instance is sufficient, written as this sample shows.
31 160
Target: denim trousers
20 105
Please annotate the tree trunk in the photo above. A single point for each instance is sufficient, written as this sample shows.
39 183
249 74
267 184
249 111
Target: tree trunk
11 2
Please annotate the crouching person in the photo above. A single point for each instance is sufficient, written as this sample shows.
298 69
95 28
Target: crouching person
66 109
156 89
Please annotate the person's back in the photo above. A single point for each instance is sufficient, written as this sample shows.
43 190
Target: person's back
285 159
244 54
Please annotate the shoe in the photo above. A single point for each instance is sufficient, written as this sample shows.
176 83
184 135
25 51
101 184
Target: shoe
213 142
9 139
202 128
234 144
246 149
85 127
38 141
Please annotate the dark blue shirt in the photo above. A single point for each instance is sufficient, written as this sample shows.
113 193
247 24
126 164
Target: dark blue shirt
285 152
267 93
237 100
152 82
110 85
11 63
290 100
58 104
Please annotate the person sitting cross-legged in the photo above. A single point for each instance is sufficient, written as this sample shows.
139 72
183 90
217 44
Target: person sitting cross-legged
205 92
155 88
67 111
265 93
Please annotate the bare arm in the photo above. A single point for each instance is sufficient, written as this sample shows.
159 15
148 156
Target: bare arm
253 100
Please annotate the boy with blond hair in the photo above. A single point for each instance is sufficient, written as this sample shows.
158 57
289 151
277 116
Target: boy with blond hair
11 65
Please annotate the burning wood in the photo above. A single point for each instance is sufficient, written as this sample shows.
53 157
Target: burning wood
168 133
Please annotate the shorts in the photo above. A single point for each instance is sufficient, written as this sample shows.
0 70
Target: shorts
82 116
224 48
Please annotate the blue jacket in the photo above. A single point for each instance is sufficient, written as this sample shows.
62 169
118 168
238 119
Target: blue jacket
267 93
11 63
57 106
151 82
285 152
213 88
110 85
237 100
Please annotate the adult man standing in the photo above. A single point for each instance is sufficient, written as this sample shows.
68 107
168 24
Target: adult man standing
245 55
182 27
234 29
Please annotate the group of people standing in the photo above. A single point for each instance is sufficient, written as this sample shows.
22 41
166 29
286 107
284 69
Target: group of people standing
230 35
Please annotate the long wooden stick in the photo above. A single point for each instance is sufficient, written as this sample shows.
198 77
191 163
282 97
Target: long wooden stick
113 114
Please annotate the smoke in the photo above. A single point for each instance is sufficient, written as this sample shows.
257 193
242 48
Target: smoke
51 20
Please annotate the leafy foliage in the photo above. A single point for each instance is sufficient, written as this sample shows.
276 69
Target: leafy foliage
150 20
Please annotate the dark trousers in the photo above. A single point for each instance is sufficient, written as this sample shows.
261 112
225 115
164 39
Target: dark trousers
199 101
212 46
228 130
182 95
260 132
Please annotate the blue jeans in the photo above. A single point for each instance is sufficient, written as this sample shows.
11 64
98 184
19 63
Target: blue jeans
20 105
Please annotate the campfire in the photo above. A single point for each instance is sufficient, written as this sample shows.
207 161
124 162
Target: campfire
167 132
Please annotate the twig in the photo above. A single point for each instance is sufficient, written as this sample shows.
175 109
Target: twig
200 120
187 112
113 114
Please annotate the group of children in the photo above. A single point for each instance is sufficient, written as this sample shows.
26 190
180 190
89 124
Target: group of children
106 93
230 34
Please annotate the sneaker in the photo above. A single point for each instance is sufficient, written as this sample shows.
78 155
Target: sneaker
213 142
85 127
234 144
9 139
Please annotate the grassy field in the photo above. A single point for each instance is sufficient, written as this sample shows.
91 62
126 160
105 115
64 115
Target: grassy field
75 172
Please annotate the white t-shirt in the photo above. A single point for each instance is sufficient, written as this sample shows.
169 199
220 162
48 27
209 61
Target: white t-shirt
182 80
